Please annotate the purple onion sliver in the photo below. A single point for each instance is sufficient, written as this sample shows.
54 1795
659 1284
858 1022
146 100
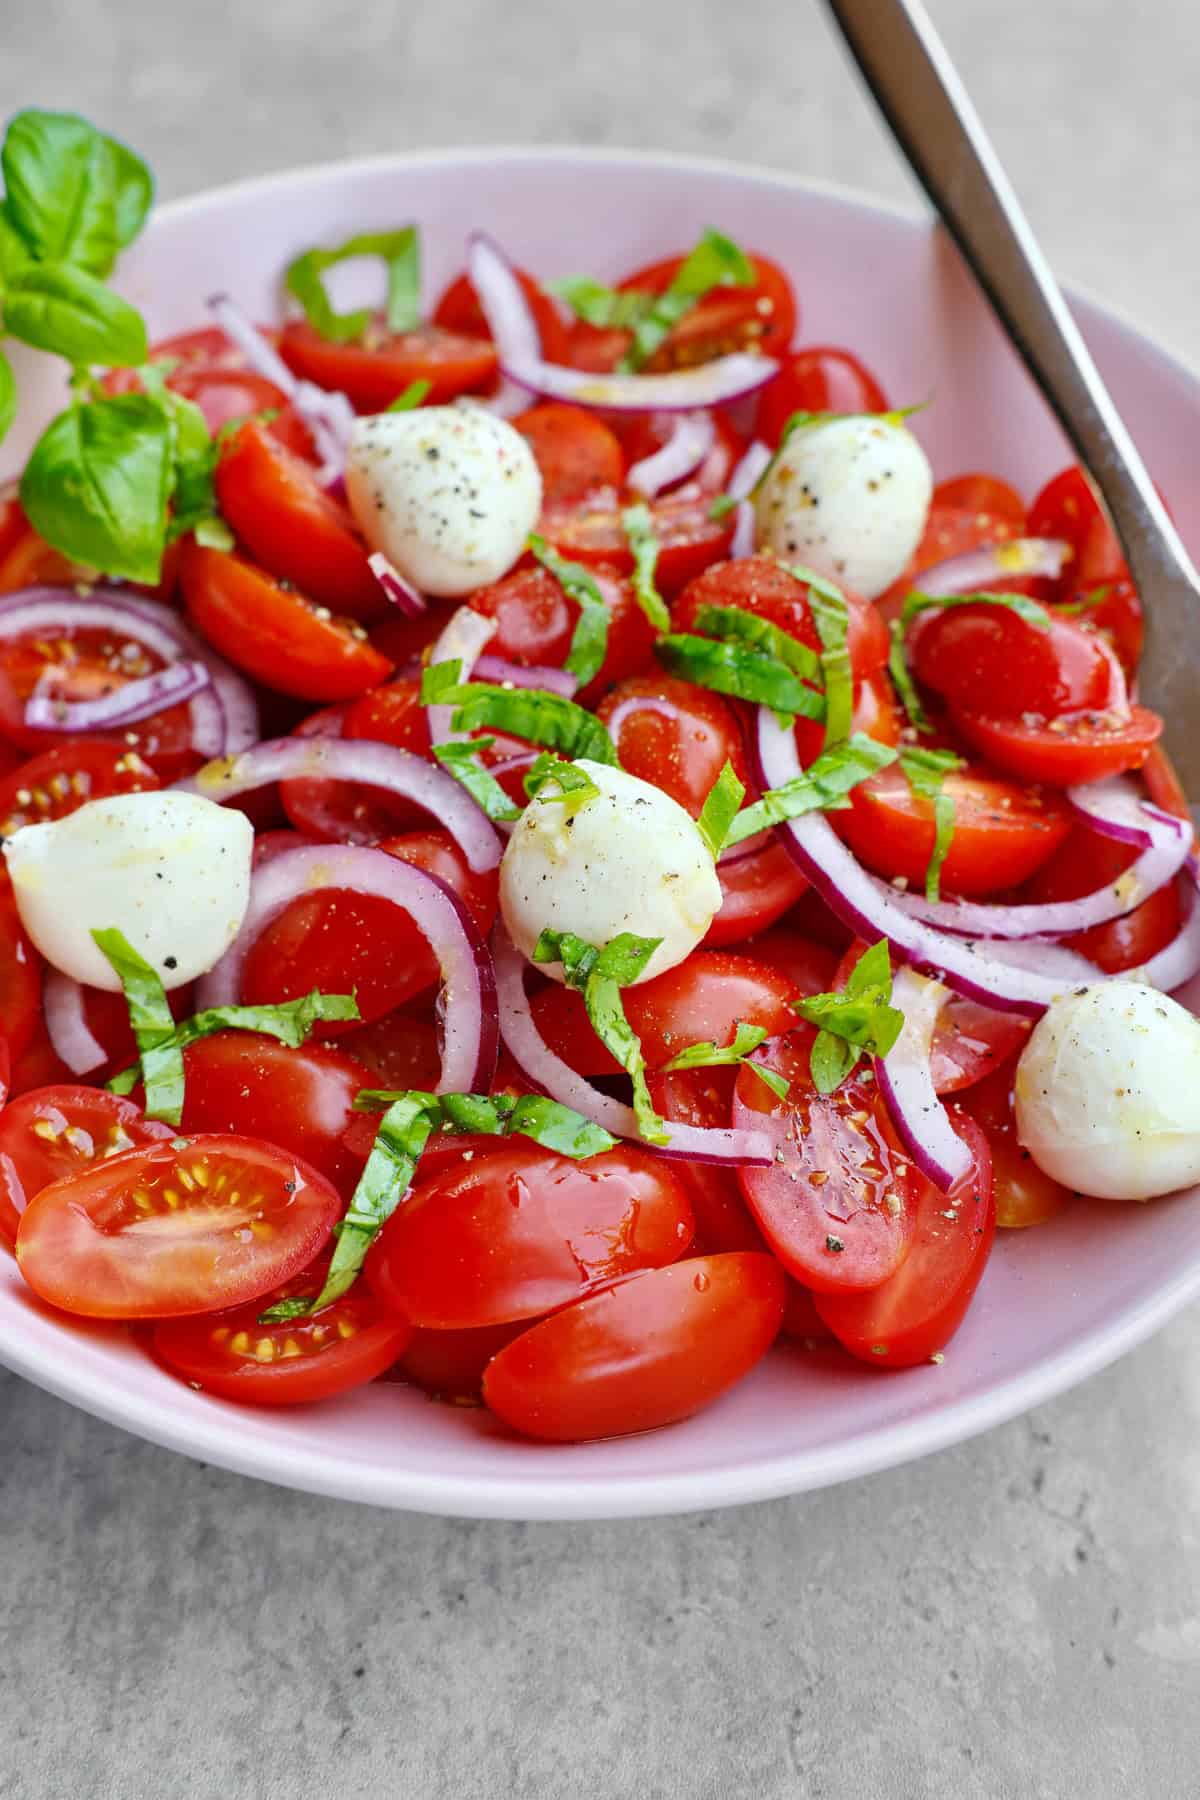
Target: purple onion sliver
400 592
742 541
691 438
534 675
979 570
749 471
464 639
71 1037
905 1079
125 705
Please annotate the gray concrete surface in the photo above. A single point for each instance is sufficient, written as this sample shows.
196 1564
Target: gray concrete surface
1018 1619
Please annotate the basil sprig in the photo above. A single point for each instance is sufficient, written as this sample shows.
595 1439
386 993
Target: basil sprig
530 713
589 643
715 261
853 1020
400 252
599 974
926 772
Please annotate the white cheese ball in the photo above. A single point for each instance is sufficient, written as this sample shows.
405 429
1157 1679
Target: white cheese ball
449 494
1108 1092
627 859
171 871
848 498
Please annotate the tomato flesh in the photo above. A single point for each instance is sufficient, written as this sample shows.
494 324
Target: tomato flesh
576 452
53 1132
674 734
377 370
1073 749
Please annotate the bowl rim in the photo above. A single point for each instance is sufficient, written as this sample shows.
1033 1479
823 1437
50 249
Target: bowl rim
221 1436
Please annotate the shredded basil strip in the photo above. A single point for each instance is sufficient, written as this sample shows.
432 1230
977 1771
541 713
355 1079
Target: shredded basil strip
722 506
152 1024
715 261
596 304
549 1123
903 682
639 529
412 396
1029 610
589 644
735 624
291 1021
821 788
462 761
746 1039
720 809
530 713
831 615
401 254
926 772
599 975
730 668
575 786
854 1020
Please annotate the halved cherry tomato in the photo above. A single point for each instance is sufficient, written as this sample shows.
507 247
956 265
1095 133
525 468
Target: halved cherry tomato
175 1228
801 1321
756 891
760 585
29 561
350 812
20 979
985 494
1075 748
289 1364
343 942
524 1230
1115 611
1087 862
838 1203
821 379
377 370
1067 507
224 395
274 632
450 1364
576 452
876 714
289 523
807 964
536 619
650 1350
1025 1195
459 311
990 657
914 1313
705 1097
644 433
57 1131
688 539
1002 832
674 734
759 317
401 1050
61 779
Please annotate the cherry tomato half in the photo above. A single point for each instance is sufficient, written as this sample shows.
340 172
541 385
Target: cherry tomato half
674 734
536 619
576 452
54 1132
760 585
756 891
989 657
459 311
1072 749
376 371
705 1097
688 539
1025 1195
60 780
761 316
821 379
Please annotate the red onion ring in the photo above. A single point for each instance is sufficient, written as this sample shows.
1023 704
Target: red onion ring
360 760
692 437
233 691
979 570
402 594
1178 961
749 471
514 331
469 1033
70 1035
905 1078
742 542
509 674
328 414
1113 808
518 1028
122 706
463 639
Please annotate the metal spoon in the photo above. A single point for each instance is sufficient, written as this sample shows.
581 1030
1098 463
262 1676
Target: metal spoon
923 100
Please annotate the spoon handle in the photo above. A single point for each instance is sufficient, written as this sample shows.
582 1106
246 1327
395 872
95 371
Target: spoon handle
923 100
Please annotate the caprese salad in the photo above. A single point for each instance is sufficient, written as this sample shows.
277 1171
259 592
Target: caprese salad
543 848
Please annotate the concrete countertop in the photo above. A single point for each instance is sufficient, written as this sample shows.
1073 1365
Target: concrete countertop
1016 1619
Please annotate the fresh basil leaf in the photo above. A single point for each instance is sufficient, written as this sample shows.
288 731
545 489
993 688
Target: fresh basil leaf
821 788
72 194
859 1017
733 624
549 1123
872 970
605 307
462 761
728 668
133 187
152 1024
413 395
97 483
831 1060
720 809
575 786
14 251
400 251
291 1021
639 529
534 714
903 682
1025 608
831 615
67 311
746 1039
589 643
715 261
926 771
8 395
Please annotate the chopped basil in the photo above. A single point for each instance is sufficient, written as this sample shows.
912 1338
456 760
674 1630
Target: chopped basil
831 616
530 713
821 788
746 674
735 624
903 682
589 644
639 529
599 975
462 761
401 254
604 307
926 771
722 506
715 261
152 1024
1025 608
720 809
746 1039
856 1019
575 786
413 395
549 1123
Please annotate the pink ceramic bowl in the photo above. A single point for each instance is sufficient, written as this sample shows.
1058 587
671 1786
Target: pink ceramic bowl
1056 1304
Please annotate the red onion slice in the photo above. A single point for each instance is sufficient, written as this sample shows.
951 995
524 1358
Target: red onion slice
1014 977
514 331
742 542
1179 960
122 706
70 1035
359 760
328 414
518 1028
980 570
534 675
749 471
1117 810
905 1078
402 594
692 437
463 640
468 1004
233 692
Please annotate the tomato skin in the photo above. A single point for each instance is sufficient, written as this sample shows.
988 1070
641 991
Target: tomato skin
760 585
85 1245
349 812
801 1320
808 965
674 734
819 379
84 662
1067 507
688 539
973 654
58 781
1076 748
1088 861
224 395
459 311
289 524
971 1040
653 1349
523 1231
340 1348
375 376
450 1364
535 621
576 452
982 494
705 1097
704 998
913 1315
20 979
271 631
1115 610
876 714
865 1197
1025 1195
400 1050
29 561
1002 833
726 319
756 891
53 1131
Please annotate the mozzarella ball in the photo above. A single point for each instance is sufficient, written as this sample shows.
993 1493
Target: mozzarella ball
171 871
1108 1092
449 494
849 498
627 859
